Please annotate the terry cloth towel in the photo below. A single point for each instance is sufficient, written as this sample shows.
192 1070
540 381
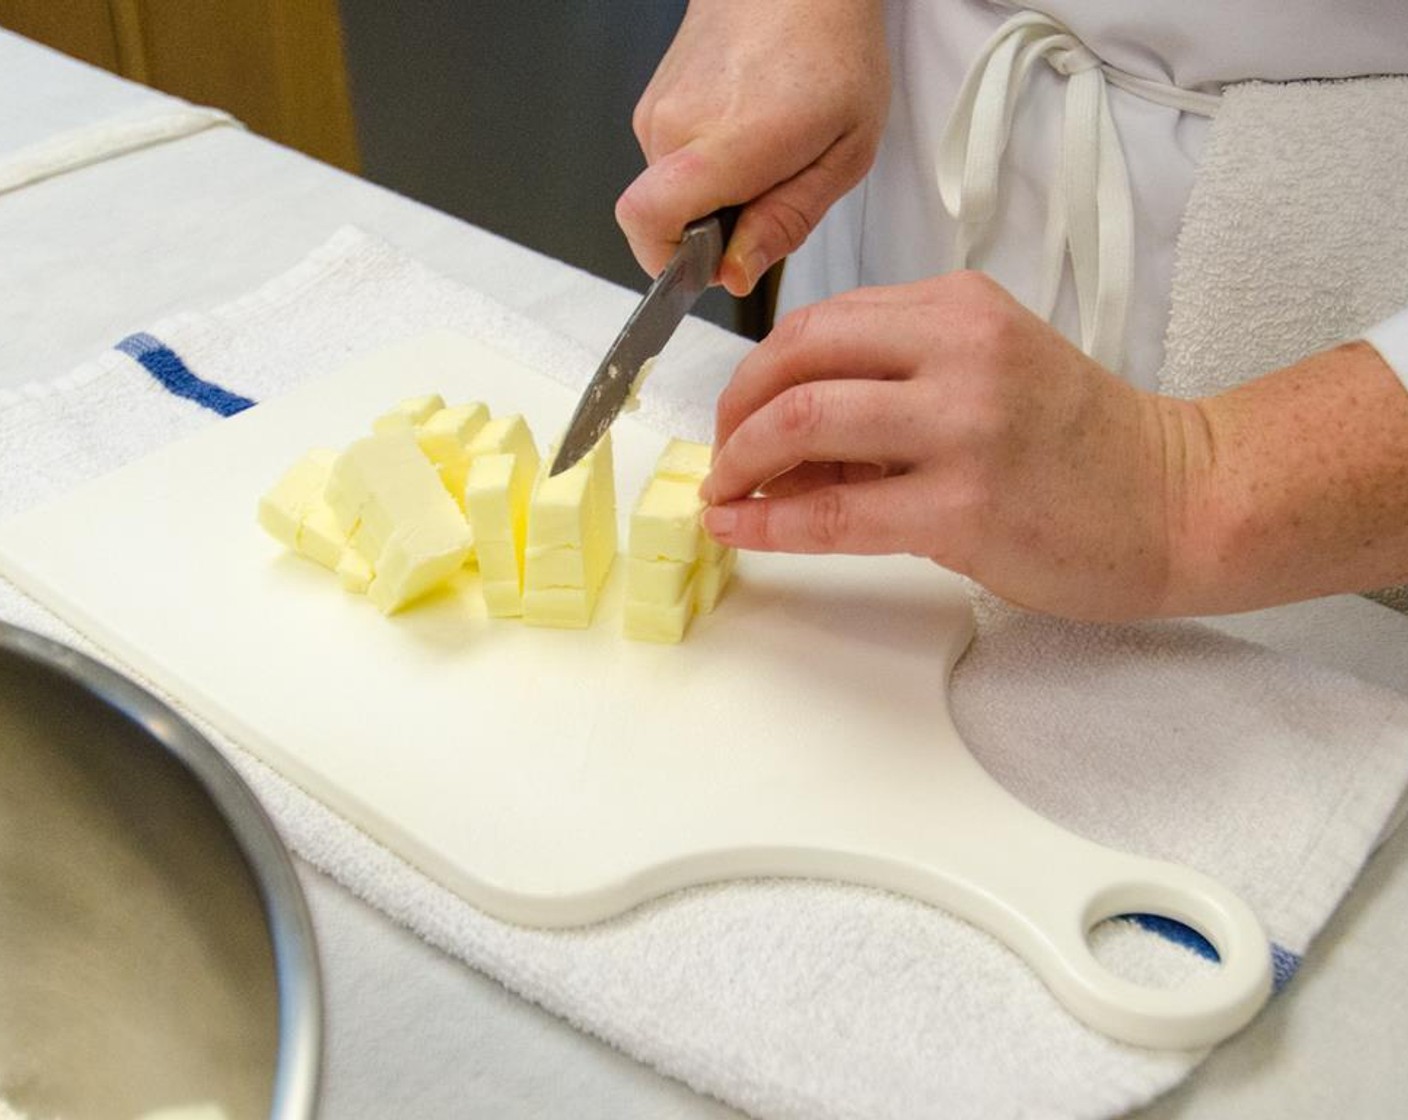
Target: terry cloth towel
166 118
1296 233
792 999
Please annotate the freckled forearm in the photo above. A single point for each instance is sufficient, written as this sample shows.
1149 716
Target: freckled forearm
1296 485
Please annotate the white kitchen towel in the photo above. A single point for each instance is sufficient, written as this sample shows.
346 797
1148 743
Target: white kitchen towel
813 999
168 118
1296 233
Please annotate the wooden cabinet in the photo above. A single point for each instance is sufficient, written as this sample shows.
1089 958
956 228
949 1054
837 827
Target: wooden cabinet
277 65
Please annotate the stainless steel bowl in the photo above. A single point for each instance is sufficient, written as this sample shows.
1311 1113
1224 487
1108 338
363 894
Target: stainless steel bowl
155 946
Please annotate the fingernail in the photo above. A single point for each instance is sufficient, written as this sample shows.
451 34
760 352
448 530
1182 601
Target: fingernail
720 521
706 489
755 263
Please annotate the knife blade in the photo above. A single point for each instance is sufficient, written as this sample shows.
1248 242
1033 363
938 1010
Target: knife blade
662 309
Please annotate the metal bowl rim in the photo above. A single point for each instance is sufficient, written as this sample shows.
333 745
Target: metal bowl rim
290 925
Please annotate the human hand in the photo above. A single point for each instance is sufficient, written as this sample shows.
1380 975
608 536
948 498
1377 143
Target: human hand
944 419
777 106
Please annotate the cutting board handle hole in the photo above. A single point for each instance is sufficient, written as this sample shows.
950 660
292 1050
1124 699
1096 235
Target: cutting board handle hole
1152 950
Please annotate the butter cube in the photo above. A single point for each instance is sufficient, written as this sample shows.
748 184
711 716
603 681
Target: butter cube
569 608
665 523
450 430
297 514
658 621
555 567
488 498
504 434
571 539
320 537
674 569
603 471
657 581
684 460
710 580
354 571
407 415
711 551
497 491
502 598
559 511
283 508
499 556
414 561
389 500
445 437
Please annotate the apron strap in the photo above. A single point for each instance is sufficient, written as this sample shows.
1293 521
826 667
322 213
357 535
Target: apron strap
1090 215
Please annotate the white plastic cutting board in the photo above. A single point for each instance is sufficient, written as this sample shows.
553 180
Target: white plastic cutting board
559 777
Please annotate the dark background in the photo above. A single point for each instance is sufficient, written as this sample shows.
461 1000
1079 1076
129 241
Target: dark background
515 115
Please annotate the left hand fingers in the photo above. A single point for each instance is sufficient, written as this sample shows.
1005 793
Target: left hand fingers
862 518
820 422
805 477
853 340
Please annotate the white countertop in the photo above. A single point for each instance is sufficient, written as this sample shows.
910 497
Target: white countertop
93 255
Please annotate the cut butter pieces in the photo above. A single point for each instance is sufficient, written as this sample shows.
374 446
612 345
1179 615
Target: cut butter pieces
674 568
445 437
408 414
505 435
388 514
496 500
396 514
296 514
684 459
389 500
503 464
571 540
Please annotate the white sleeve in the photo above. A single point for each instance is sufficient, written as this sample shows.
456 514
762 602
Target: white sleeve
1390 339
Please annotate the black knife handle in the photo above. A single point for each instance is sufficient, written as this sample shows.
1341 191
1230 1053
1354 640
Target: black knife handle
728 219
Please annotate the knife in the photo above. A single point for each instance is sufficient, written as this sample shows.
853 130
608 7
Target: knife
647 330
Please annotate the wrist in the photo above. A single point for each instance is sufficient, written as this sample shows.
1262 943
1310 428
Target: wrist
1292 486
1192 514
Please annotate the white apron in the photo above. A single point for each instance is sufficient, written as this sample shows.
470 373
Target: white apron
1068 218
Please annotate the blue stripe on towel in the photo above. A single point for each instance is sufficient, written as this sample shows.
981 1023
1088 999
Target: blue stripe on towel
1283 965
1283 962
166 366
1176 932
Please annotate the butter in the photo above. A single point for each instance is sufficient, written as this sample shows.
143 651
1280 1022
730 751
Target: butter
283 508
505 435
296 513
444 438
710 580
502 579
565 608
355 571
657 622
413 562
665 523
389 500
674 568
658 581
571 540
556 567
396 514
558 514
685 460
496 495
321 538
408 414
